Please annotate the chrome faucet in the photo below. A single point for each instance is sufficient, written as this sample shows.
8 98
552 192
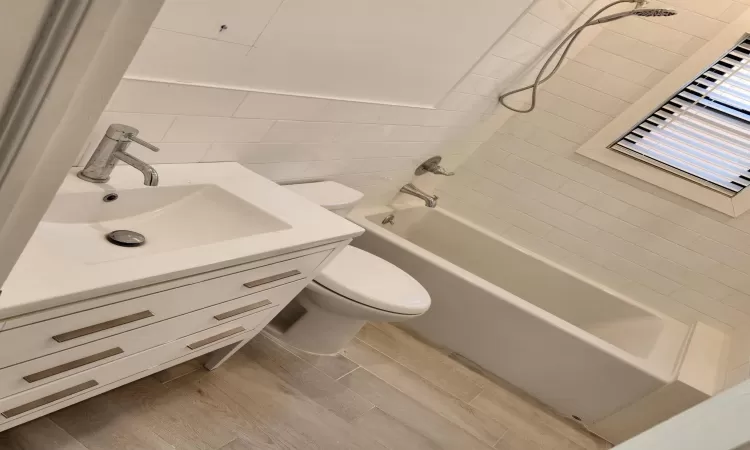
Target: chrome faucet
432 165
111 149
429 200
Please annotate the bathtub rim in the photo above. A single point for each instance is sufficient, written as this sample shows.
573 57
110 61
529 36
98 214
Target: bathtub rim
361 217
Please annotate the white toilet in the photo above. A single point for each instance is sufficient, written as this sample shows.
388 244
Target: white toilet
354 288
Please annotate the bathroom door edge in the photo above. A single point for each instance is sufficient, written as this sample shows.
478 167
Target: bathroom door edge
49 121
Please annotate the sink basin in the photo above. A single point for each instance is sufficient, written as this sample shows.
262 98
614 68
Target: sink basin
170 217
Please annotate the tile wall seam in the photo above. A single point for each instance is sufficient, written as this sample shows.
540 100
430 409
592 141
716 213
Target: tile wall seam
171 124
270 19
622 199
200 37
612 234
626 277
634 282
594 44
631 61
666 297
609 74
597 90
552 113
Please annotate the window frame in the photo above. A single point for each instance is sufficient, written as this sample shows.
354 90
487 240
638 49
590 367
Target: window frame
598 147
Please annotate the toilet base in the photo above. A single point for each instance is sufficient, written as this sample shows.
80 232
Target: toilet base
319 331
323 322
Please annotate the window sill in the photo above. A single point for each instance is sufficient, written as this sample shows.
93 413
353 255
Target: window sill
731 206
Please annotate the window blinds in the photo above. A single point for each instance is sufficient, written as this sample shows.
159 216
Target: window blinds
703 132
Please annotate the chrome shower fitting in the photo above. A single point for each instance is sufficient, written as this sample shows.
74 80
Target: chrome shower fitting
429 200
658 12
568 41
432 165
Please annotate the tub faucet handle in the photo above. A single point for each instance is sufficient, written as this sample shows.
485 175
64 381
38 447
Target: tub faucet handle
432 165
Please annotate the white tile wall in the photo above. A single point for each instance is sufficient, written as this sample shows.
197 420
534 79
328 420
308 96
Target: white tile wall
527 183
393 51
370 146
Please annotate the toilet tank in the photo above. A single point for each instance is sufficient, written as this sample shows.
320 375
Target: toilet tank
330 195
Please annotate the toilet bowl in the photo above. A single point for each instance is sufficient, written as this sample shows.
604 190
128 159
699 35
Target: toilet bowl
354 288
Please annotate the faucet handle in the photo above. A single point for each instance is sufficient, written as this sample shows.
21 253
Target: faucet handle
124 134
441 171
432 165
137 140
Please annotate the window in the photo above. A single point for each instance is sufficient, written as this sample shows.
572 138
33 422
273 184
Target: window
690 134
703 132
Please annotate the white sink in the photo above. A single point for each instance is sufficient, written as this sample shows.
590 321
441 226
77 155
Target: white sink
202 217
170 217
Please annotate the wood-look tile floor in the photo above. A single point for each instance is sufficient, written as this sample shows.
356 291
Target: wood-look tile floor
387 390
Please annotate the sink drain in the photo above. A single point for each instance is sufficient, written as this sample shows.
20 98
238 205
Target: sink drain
126 238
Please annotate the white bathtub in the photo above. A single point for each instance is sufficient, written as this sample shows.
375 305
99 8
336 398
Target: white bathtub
573 344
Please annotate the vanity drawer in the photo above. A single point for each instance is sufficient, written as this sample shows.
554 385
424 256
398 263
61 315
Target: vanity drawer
54 335
47 396
39 371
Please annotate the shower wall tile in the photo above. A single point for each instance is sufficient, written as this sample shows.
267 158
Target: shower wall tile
602 81
620 66
737 375
217 129
517 49
734 10
535 30
714 9
654 33
166 98
527 183
558 13
691 22
639 51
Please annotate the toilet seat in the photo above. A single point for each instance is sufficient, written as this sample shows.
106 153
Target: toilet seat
367 279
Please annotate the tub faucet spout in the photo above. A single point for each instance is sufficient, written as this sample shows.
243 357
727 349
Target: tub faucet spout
429 200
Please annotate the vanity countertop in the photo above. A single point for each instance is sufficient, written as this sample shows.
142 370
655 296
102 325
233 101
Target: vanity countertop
51 272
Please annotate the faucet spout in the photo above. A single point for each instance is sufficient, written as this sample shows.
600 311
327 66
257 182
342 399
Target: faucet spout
150 176
429 200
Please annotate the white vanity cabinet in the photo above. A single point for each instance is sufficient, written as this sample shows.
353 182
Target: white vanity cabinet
55 357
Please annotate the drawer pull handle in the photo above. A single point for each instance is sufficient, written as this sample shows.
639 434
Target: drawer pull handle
244 309
102 326
218 337
49 399
272 278
34 377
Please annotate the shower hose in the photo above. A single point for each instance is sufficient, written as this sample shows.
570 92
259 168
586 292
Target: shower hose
568 42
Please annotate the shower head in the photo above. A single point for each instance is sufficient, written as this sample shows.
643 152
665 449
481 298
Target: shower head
654 12
640 12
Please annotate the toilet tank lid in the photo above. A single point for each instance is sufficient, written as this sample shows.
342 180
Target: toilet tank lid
328 194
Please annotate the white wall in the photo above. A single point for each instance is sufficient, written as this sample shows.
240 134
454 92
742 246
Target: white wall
373 147
390 51
528 184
